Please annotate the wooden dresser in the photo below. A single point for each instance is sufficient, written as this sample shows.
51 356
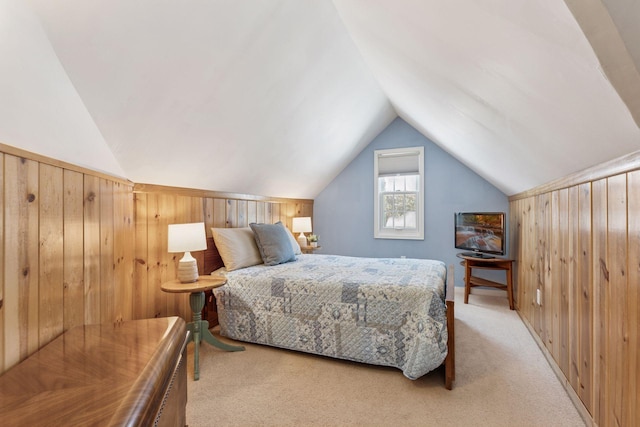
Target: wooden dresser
131 373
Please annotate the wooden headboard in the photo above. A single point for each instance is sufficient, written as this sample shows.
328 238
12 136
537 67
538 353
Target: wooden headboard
212 258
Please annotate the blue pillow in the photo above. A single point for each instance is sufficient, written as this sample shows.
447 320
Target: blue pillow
273 243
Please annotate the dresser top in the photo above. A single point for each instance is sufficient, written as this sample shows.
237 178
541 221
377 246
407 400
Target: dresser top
94 375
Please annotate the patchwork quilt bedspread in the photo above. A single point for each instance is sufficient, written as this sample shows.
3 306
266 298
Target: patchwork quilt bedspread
382 311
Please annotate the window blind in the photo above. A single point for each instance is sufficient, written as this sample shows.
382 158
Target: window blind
399 163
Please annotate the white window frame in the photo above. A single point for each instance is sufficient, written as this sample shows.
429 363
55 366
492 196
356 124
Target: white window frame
380 232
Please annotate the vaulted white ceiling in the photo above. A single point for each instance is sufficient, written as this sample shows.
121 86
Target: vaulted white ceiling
276 97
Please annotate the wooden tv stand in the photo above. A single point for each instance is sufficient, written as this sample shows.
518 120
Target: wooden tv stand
129 373
471 262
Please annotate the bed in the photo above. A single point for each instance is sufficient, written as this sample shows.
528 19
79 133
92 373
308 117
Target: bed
382 311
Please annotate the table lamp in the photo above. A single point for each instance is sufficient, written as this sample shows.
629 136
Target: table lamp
186 238
302 225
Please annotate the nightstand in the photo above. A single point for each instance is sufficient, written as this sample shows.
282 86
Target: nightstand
199 328
309 249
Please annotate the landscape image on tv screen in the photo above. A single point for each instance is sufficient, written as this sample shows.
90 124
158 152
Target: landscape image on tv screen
480 232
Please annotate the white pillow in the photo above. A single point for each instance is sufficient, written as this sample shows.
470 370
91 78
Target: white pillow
237 247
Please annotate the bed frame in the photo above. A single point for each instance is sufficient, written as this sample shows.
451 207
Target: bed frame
450 360
213 261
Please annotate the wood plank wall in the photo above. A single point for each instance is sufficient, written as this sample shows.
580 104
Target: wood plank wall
67 252
80 247
157 206
578 241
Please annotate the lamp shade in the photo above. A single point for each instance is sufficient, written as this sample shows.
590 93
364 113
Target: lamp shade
186 237
301 224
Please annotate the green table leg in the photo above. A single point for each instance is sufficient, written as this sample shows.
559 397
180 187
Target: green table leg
200 331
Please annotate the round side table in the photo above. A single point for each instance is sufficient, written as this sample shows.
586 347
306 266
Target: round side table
199 328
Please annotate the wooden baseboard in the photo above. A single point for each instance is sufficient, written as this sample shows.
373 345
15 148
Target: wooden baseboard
582 410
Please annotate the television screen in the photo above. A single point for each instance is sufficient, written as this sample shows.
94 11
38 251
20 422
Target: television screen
480 232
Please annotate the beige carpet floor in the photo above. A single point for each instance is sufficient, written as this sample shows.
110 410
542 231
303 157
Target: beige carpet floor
502 379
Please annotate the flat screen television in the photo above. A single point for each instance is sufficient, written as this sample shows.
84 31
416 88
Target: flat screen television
480 233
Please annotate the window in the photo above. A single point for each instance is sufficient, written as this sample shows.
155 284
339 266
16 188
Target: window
399 201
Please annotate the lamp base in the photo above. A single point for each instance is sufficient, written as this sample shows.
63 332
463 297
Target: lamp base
188 271
302 240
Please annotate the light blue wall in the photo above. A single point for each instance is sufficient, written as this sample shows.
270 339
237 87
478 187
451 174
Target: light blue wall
343 211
